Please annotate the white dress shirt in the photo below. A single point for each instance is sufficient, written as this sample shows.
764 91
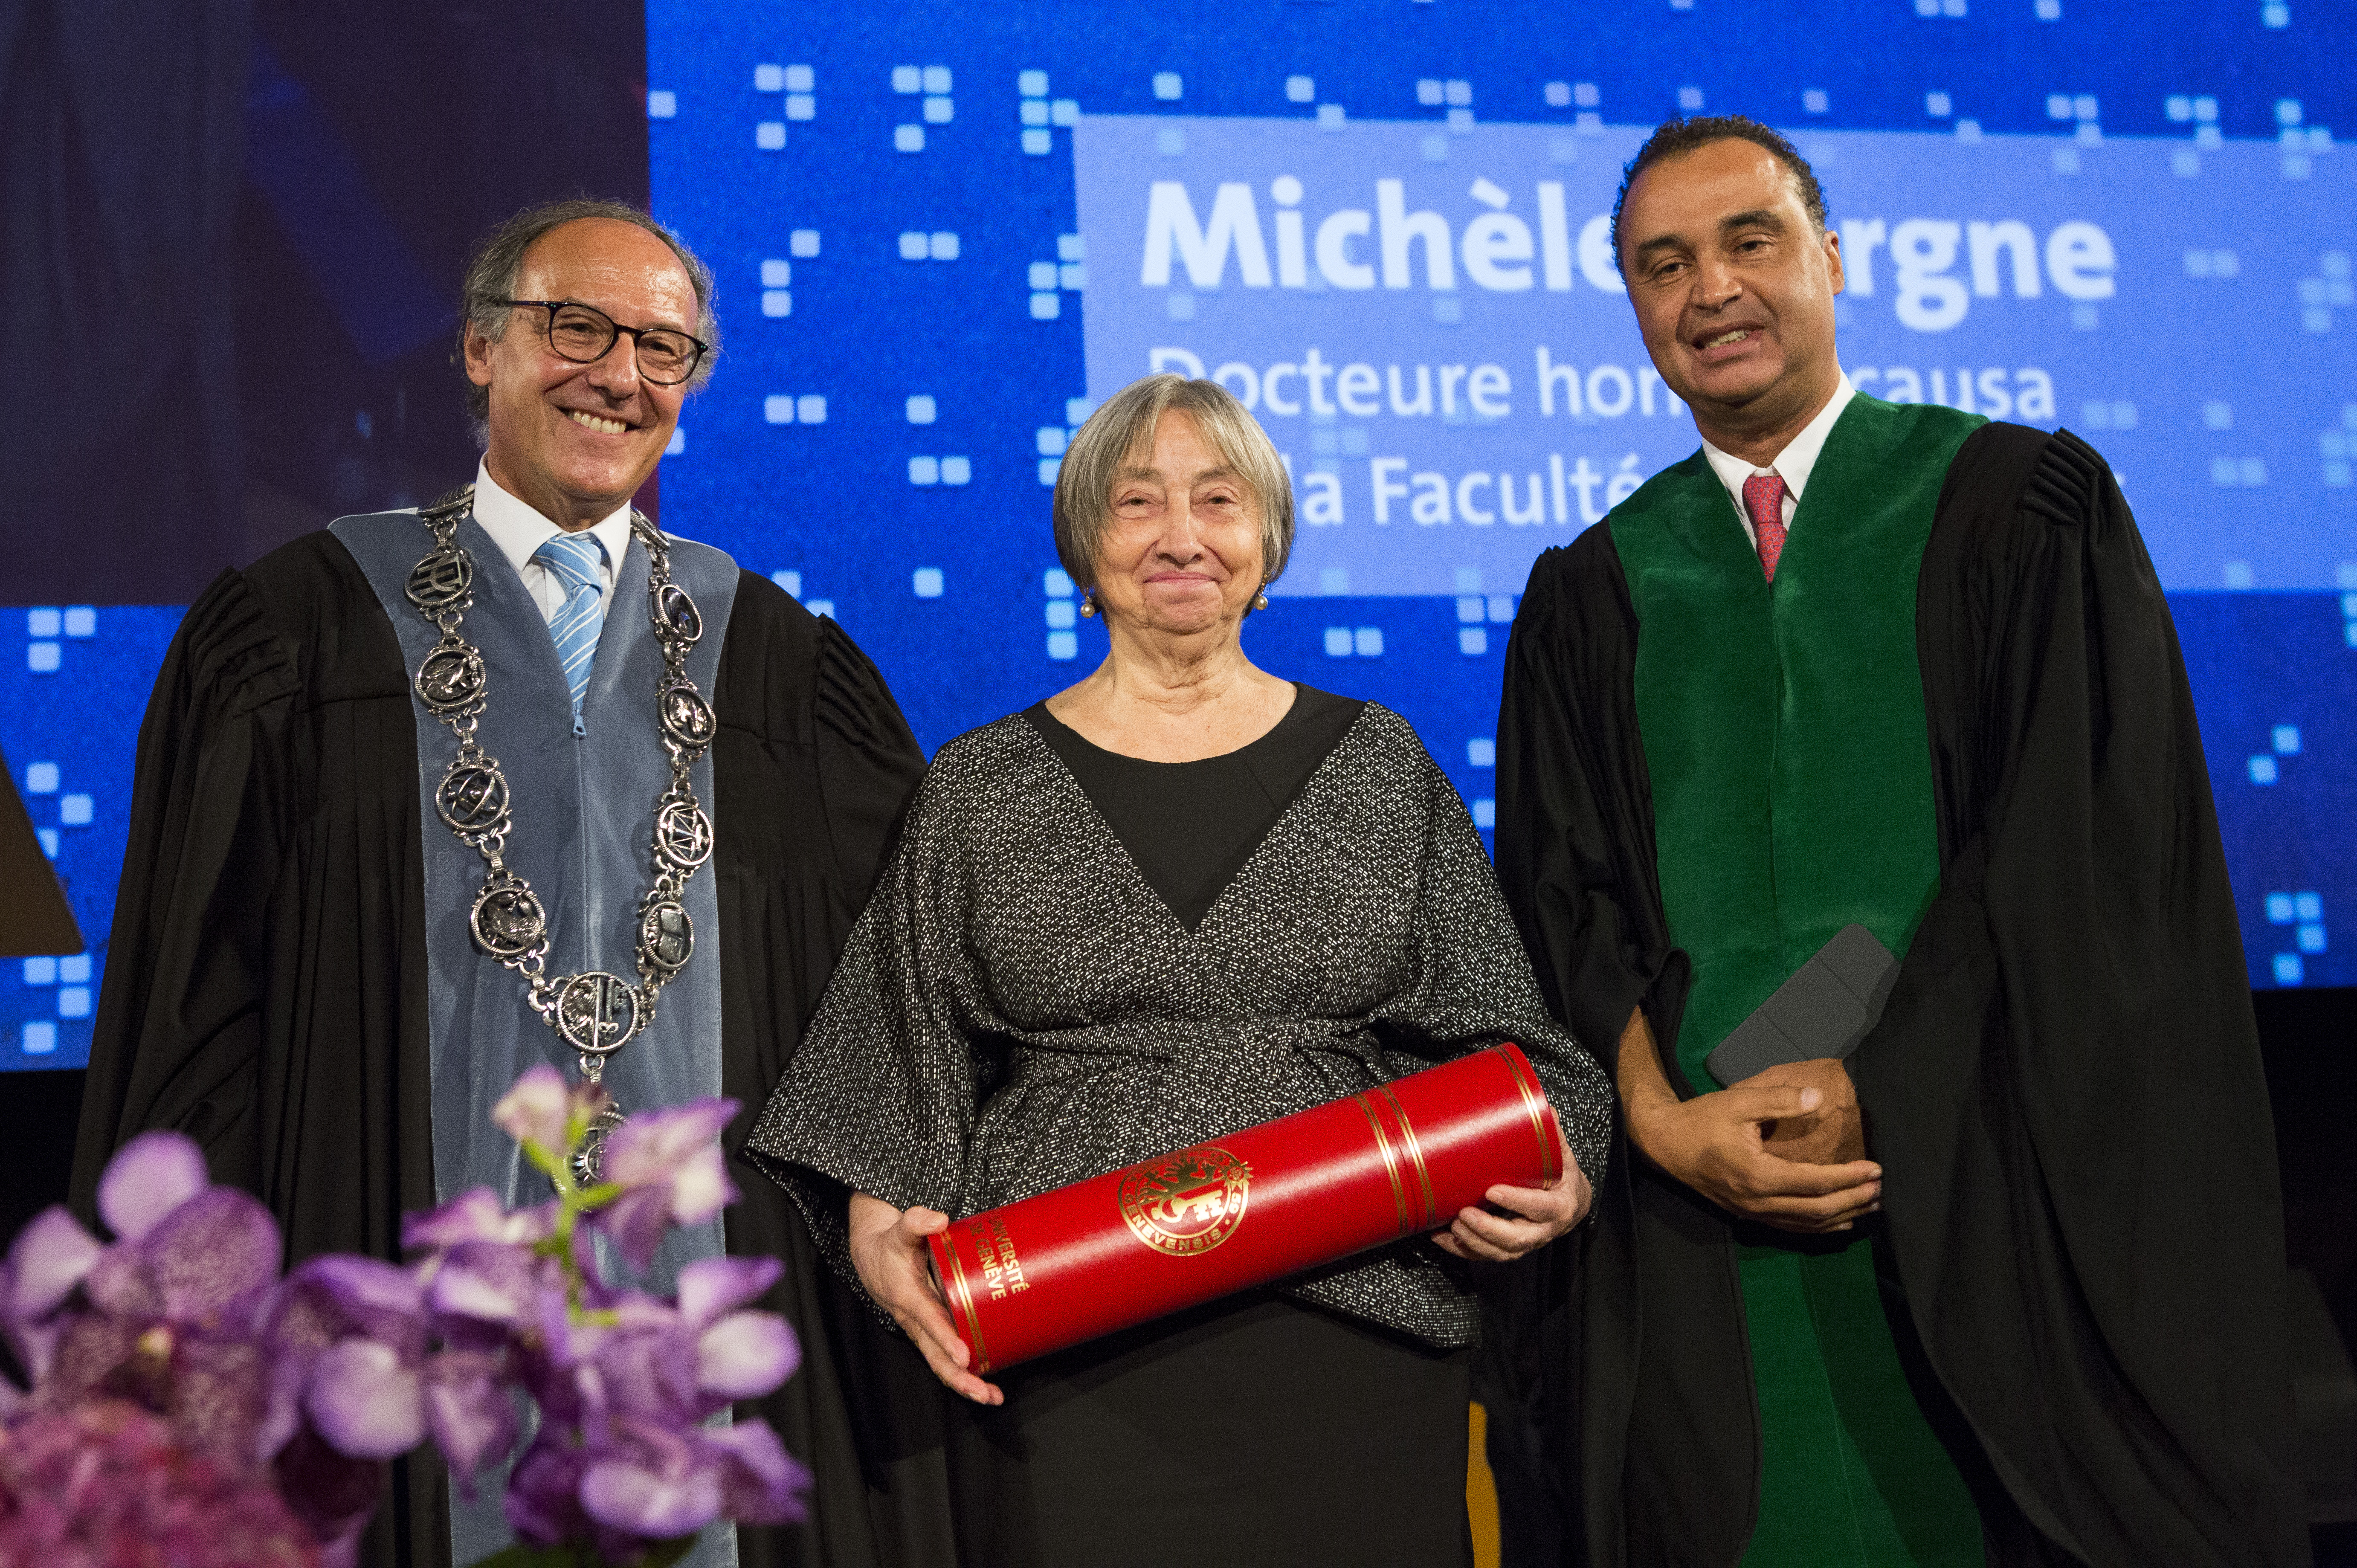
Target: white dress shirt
1791 464
517 531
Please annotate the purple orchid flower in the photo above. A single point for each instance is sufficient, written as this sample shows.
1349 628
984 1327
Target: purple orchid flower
544 1499
347 1337
168 1312
177 1317
148 1177
490 1285
650 1486
683 1363
297 1390
46 1265
739 1355
636 1384
670 1170
542 1111
353 1337
761 1483
477 1214
185 1253
648 1479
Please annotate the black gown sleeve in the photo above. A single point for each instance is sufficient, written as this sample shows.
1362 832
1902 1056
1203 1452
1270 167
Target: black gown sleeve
869 762
1630 1364
884 1097
1575 830
178 1040
2065 1092
813 770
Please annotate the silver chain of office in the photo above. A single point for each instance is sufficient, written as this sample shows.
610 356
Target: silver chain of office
595 1013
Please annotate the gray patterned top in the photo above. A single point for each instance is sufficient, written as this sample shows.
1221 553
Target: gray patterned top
1017 1009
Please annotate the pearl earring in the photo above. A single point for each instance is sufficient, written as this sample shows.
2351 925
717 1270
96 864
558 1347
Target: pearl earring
1260 600
1088 603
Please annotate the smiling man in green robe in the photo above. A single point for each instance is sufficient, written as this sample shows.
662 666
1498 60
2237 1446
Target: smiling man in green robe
2005 1284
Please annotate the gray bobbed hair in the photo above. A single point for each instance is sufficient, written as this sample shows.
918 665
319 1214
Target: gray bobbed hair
496 263
1121 432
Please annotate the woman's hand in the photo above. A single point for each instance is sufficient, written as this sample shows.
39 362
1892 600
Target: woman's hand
888 1249
1536 1216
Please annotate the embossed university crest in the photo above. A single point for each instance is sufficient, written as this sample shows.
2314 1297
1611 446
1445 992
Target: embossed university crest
1186 1203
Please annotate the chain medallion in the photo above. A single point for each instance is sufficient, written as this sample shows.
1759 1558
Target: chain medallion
676 618
508 921
443 580
473 798
598 1013
589 1159
686 716
452 678
682 835
666 937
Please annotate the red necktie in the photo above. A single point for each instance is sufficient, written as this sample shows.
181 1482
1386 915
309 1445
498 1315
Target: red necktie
1763 498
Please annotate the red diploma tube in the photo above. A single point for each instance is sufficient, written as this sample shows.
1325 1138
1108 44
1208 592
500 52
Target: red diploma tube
1397 1160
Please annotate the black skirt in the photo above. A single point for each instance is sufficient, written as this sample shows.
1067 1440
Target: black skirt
1249 1432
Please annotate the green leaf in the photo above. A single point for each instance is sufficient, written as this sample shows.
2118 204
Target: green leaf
550 1165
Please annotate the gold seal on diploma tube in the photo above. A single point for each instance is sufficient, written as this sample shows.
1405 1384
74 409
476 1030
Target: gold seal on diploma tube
1186 1203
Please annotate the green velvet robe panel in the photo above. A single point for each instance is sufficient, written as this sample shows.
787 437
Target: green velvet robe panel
1792 797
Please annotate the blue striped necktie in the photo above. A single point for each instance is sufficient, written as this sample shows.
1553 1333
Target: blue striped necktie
575 558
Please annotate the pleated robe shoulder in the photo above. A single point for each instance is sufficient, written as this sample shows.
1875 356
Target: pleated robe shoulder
267 985
2064 1091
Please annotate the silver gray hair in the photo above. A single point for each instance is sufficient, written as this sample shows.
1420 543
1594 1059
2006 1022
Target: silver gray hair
1124 426
497 262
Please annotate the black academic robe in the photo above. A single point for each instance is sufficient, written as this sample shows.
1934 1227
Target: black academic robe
266 976
2081 1199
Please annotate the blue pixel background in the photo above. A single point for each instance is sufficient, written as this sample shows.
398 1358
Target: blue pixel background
888 196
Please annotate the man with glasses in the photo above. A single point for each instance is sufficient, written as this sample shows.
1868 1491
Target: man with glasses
432 796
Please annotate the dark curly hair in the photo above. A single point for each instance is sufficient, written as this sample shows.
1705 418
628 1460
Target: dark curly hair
1676 137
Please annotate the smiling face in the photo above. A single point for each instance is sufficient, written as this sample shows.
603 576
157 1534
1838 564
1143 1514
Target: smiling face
577 441
1182 553
1734 288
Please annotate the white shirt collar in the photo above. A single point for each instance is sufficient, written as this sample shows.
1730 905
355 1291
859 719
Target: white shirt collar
518 530
1793 464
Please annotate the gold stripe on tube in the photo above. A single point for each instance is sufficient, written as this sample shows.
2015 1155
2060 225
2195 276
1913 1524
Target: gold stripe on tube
1535 1103
1391 1160
1415 1156
968 1316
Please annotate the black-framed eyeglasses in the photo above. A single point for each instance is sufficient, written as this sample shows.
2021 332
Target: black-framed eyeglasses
585 335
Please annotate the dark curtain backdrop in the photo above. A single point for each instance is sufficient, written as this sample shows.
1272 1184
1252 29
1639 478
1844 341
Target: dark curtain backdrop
230 236
120 130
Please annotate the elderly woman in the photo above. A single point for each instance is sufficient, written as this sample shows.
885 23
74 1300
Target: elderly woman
1181 897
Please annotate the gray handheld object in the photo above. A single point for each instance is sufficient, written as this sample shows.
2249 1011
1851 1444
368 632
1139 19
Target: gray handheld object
1824 1011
